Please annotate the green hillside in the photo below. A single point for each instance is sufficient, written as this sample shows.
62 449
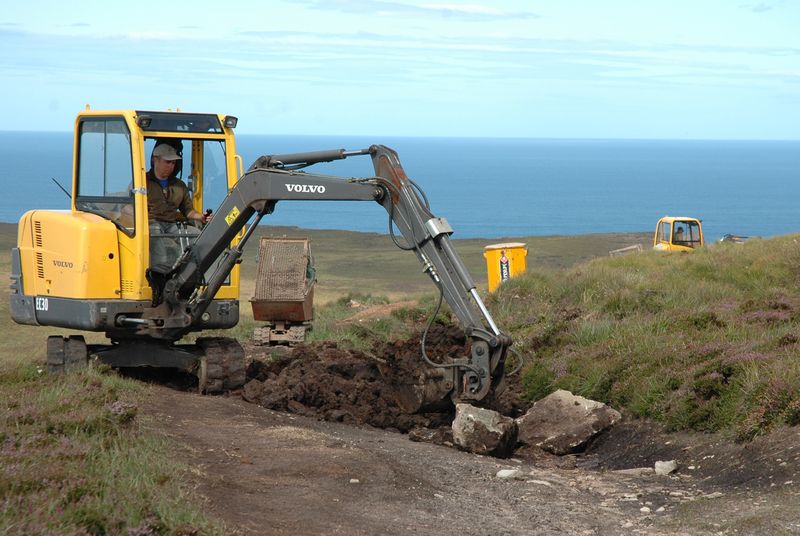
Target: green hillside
703 341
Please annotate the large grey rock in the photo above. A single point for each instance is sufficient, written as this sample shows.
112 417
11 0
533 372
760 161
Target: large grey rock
483 431
509 474
666 467
563 423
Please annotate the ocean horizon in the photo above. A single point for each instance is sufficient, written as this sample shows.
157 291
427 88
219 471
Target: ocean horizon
500 187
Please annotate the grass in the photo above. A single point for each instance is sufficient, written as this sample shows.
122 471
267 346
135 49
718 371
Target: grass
75 460
703 341
369 263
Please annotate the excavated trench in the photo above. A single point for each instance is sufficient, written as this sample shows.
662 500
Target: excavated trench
373 388
327 382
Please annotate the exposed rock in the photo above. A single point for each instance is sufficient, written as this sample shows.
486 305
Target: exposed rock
509 474
437 436
666 468
563 423
634 471
483 431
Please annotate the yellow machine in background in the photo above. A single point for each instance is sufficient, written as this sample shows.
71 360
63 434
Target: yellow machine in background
678 234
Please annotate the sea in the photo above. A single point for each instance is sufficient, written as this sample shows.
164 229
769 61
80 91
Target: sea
499 187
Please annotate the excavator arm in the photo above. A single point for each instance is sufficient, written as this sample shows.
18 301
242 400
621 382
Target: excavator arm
182 294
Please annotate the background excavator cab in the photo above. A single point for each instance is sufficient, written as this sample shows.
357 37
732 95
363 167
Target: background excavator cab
678 234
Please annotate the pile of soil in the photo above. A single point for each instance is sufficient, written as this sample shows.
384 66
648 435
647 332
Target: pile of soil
344 385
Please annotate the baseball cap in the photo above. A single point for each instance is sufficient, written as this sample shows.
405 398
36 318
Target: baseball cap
166 152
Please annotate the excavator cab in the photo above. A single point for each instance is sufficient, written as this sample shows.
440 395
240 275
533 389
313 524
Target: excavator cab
89 268
678 234
94 259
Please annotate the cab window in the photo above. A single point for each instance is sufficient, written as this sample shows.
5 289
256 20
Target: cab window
105 171
663 232
202 168
693 234
679 234
686 233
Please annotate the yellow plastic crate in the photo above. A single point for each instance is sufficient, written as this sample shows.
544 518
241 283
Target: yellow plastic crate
504 261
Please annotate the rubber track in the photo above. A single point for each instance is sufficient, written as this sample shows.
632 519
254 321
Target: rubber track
225 364
65 355
261 336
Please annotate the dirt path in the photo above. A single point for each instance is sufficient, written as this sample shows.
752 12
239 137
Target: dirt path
296 453
267 472
273 473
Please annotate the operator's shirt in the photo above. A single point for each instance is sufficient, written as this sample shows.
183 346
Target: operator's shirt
163 204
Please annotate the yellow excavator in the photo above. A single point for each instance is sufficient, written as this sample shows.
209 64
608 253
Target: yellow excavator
89 268
674 233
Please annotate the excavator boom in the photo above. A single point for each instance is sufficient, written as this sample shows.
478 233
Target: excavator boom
182 294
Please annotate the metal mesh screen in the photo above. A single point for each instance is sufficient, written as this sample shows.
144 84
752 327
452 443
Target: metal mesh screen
282 264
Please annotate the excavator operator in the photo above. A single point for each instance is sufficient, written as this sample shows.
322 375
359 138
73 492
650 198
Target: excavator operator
167 195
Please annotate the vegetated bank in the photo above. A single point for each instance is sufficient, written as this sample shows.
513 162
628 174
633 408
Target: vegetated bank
706 341
700 342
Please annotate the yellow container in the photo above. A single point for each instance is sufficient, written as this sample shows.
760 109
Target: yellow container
504 261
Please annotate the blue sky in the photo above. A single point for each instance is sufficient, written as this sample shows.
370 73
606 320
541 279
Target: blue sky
548 69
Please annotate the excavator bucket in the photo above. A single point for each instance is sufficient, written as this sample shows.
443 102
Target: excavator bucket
421 394
284 291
